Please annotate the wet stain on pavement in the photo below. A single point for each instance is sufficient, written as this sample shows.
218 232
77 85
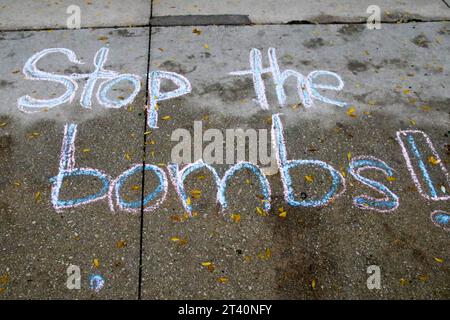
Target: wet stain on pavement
314 43
421 41
229 92
176 67
6 84
357 66
351 29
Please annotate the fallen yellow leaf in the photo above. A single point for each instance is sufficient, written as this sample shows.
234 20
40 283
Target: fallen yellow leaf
223 280
309 179
38 197
433 160
351 112
342 170
208 265
177 218
4 279
121 244
236 217
186 216
260 212
423 277
34 135
96 263
196 194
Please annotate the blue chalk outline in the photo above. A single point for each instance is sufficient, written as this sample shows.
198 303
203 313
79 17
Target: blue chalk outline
137 204
335 184
442 219
285 165
81 172
264 184
365 202
422 166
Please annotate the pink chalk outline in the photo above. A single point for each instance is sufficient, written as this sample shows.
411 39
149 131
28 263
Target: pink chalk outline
411 168
357 175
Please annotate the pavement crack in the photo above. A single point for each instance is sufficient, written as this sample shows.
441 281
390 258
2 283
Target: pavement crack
201 20
172 21
144 151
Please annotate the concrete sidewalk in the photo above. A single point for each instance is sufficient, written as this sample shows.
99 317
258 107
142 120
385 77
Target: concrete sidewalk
53 14
395 78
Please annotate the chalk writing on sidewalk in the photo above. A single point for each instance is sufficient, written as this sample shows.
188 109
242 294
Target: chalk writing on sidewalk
413 154
29 104
441 219
306 87
111 188
414 145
